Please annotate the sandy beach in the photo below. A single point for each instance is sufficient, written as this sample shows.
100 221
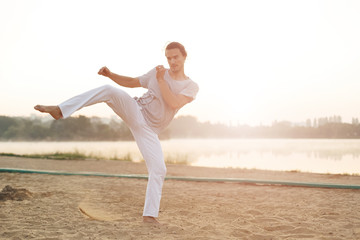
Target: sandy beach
189 210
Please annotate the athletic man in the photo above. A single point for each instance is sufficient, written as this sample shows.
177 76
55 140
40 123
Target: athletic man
168 91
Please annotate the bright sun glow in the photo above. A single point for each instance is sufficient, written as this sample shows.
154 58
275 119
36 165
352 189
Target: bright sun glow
255 61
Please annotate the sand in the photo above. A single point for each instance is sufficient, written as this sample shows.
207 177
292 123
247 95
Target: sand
189 210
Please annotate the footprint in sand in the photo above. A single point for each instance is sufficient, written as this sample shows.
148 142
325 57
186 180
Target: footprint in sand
95 213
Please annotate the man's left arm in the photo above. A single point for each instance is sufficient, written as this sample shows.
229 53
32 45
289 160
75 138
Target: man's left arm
175 101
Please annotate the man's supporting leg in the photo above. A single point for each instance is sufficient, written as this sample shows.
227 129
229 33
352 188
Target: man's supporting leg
150 147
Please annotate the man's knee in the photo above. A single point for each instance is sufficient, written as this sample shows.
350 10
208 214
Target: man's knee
159 171
163 171
108 88
114 93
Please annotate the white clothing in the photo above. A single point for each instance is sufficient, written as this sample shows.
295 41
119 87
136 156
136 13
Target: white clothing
147 140
156 112
146 117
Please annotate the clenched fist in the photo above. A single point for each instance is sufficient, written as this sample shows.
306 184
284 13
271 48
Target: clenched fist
104 71
160 71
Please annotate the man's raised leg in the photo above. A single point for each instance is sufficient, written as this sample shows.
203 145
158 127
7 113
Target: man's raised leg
117 99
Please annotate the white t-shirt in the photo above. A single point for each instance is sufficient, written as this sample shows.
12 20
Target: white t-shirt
154 108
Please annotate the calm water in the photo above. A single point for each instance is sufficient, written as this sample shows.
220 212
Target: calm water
307 155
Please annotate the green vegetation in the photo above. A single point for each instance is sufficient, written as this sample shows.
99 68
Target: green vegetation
177 159
72 129
94 129
189 127
65 156
127 157
56 155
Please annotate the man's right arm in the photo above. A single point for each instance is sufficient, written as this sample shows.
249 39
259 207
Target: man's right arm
121 80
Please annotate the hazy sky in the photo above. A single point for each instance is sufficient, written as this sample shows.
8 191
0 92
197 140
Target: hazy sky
255 61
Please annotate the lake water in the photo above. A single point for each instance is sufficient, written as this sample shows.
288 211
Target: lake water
306 155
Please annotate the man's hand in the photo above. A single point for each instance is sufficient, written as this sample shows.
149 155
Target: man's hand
175 101
104 71
160 71
121 80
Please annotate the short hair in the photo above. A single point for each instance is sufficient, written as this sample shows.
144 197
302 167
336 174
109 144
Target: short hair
177 45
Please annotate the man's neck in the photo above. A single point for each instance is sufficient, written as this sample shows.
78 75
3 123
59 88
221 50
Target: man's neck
178 75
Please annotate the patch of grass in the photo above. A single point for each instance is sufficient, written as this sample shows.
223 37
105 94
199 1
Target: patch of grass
126 157
177 159
57 155
350 174
9 155
67 156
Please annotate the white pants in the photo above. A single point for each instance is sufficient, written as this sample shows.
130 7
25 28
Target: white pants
147 140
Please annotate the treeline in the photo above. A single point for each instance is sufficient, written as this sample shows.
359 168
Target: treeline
95 129
188 126
71 129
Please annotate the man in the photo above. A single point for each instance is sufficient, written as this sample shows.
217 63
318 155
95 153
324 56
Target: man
168 91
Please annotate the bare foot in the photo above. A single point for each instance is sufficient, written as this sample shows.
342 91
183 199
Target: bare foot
54 111
152 220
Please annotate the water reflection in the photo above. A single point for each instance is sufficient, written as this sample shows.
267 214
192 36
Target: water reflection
311 155
325 149
321 156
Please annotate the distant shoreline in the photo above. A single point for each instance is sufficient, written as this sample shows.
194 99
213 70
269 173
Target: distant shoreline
82 128
68 157
306 155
